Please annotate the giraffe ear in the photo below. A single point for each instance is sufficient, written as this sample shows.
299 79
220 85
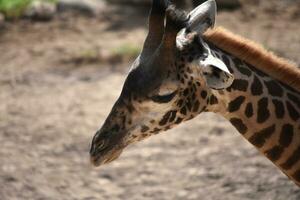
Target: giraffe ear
203 17
216 73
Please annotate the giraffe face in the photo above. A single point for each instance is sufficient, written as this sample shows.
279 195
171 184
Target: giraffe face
159 100
171 85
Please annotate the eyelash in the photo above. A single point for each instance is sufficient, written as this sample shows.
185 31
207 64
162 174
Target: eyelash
164 98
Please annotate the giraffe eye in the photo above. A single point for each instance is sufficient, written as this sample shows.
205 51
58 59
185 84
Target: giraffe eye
163 98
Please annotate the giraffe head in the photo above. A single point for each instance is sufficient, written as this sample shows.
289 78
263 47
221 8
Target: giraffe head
169 83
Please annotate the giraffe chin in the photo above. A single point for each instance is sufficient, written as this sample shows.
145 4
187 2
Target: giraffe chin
99 160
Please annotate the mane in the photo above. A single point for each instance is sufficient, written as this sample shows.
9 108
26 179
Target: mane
254 54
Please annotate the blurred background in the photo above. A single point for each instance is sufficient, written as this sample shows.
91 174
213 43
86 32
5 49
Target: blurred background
62 66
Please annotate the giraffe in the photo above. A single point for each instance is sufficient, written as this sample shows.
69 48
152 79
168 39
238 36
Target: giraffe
186 67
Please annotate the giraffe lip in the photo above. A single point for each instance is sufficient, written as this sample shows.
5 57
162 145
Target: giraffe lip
105 158
98 158
98 155
95 161
98 161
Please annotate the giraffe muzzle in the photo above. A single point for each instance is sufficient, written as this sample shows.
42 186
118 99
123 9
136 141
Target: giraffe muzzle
104 150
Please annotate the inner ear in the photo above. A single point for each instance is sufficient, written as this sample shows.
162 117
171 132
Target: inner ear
216 78
216 73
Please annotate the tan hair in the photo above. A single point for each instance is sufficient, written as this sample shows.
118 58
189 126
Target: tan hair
254 54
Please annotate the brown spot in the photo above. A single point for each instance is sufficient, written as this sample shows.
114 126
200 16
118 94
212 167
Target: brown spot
259 138
292 160
292 111
286 135
256 87
165 118
203 94
144 135
239 125
274 88
183 110
243 70
235 104
155 131
249 110
274 153
178 120
180 102
186 92
279 108
144 128
238 84
262 110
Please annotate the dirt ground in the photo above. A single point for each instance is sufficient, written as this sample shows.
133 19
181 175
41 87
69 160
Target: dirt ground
58 83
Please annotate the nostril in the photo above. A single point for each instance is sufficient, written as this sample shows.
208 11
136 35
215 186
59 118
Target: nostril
98 147
101 145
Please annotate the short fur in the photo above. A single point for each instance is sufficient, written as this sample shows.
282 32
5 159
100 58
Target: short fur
254 54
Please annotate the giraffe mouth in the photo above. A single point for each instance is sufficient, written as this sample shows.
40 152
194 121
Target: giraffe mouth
105 158
106 147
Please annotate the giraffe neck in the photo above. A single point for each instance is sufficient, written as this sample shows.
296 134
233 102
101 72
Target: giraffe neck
264 110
